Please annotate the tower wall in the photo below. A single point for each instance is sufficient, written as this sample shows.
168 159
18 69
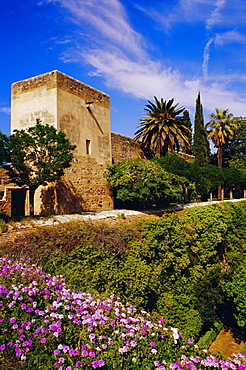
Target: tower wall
83 113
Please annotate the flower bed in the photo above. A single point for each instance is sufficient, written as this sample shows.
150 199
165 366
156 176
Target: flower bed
44 325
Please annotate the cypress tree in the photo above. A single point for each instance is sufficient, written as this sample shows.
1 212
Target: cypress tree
187 122
201 148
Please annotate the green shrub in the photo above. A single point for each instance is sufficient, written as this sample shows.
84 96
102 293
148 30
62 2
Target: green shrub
3 226
179 266
210 335
142 183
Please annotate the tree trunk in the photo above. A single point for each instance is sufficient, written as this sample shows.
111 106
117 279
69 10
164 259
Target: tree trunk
222 193
31 200
220 163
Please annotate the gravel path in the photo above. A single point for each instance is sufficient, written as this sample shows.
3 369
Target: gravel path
85 216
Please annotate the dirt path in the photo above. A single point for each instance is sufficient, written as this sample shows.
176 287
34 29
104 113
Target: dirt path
11 235
226 344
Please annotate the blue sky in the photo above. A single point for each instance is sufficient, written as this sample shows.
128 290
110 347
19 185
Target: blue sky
131 50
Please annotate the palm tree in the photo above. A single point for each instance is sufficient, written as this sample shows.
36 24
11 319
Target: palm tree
163 129
221 129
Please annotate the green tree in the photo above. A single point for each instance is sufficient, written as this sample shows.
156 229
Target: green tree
221 129
236 291
212 177
200 148
187 123
163 128
143 183
237 146
38 156
4 150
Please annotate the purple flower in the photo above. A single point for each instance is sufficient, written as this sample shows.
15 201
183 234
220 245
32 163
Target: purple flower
56 352
2 347
95 364
43 340
12 320
73 352
152 344
65 349
18 352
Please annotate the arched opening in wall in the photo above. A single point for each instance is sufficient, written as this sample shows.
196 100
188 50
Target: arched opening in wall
18 199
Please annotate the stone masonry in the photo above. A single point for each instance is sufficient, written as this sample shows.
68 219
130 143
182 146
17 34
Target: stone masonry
83 113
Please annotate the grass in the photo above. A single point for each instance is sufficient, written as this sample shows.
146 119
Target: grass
3 226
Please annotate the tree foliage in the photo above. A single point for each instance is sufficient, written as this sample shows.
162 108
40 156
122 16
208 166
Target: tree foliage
237 146
178 266
4 150
221 129
187 122
163 127
144 183
205 178
200 143
38 156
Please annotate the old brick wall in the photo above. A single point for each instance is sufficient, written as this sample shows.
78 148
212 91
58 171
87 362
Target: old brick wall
124 147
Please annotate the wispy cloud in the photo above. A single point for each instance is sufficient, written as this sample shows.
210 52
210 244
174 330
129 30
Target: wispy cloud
119 53
206 56
216 14
107 20
5 110
229 37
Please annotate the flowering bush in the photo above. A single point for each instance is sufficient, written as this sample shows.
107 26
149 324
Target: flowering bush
44 325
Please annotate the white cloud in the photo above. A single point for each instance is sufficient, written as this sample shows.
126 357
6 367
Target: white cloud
229 37
206 56
146 80
107 20
5 110
215 16
119 54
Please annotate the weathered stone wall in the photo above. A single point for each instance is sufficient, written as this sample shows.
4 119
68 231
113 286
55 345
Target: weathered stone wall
4 180
124 147
83 113
83 188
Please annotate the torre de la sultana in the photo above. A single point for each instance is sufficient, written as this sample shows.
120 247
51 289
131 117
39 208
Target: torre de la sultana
83 113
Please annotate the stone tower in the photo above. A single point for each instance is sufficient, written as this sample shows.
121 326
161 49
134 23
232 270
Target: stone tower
83 113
